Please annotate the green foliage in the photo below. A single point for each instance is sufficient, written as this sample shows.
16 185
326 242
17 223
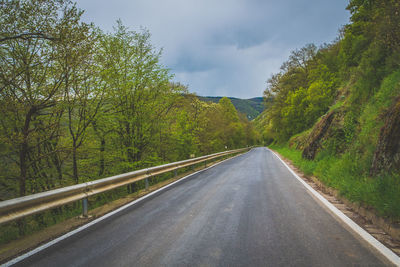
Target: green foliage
301 92
35 39
307 166
358 77
77 104
250 107
308 83
346 175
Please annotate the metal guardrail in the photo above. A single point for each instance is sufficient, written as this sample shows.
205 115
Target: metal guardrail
23 206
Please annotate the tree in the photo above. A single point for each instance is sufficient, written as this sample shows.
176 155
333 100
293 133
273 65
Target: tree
83 86
302 91
228 127
137 84
31 81
30 77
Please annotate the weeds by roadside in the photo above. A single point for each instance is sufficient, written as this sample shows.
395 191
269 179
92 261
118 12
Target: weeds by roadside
346 174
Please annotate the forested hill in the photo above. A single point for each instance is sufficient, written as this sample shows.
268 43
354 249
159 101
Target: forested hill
336 109
251 107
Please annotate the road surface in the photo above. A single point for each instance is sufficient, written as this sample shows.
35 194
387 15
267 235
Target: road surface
247 211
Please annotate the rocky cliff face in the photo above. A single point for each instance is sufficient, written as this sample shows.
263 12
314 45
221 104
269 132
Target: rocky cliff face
387 153
317 134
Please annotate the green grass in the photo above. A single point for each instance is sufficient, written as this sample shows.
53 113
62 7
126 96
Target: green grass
348 175
306 166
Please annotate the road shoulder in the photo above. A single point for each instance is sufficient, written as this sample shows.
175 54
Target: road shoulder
344 211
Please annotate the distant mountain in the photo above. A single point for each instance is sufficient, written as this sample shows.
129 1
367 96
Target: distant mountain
251 107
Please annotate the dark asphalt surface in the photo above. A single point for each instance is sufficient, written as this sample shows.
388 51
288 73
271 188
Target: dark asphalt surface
247 211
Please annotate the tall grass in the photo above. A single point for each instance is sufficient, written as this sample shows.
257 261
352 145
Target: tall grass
306 166
347 174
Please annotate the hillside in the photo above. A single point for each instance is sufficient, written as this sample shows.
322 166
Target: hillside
251 107
336 108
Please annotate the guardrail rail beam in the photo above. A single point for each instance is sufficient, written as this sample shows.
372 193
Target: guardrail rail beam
17 208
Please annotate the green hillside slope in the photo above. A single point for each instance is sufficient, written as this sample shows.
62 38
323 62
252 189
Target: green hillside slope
251 107
336 109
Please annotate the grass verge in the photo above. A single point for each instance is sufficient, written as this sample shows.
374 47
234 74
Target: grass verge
347 174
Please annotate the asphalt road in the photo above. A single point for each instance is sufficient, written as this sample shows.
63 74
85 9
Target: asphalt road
247 211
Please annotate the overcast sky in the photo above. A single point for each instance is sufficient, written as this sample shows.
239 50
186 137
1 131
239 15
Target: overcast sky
224 47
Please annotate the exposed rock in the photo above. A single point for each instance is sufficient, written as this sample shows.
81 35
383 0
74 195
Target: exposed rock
387 153
318 132
299 141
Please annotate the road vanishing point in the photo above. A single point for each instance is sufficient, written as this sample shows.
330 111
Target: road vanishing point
246 211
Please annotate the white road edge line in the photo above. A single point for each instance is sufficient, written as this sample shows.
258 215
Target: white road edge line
392 257
58 239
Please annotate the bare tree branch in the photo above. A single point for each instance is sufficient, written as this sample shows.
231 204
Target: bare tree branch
29 35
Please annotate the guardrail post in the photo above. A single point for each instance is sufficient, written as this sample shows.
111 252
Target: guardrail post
175 173
147 184
85 207
205 164
192 157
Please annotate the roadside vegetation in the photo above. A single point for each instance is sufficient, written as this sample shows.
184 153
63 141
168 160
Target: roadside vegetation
335 110
250 107
78 104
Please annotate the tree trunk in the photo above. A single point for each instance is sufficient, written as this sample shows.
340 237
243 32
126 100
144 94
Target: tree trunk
22 183
23 164
57 163
23 168
102 149
23 153
131 155
74 163
131 188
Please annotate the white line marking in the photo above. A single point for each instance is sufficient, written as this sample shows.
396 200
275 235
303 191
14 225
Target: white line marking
58 239
393 258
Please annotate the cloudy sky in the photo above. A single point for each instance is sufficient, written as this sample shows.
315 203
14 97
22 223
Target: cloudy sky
224 47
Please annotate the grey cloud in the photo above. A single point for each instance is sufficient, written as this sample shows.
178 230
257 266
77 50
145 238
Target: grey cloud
241 37
189 63
224 47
